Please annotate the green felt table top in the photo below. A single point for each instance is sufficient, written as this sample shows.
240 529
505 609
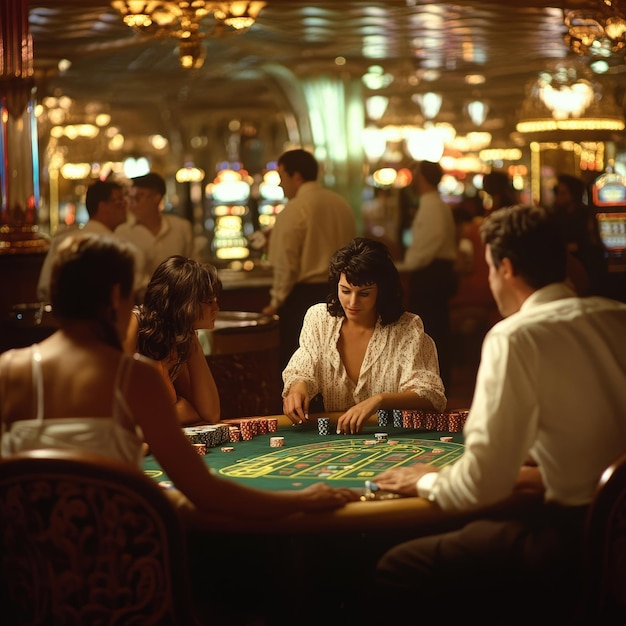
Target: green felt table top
308 457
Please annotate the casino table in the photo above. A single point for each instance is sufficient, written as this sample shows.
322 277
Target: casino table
340 460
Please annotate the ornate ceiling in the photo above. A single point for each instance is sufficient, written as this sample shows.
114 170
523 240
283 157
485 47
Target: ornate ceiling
141 83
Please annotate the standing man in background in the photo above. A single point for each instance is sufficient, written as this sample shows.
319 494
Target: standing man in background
106 206
158 235
430 259
582 233
312 226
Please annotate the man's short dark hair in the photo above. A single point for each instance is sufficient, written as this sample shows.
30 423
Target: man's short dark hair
574 185
300 161
532 239
98 192
432 172
152 180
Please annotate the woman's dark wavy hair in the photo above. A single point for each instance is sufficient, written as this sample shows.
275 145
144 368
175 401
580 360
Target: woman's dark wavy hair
531 238
171 305
366 262
85 269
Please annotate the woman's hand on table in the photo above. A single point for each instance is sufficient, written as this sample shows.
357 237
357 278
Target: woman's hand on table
403 480
321 497
352 420
296 403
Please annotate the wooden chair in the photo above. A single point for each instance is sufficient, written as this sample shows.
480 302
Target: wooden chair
86 540
604 598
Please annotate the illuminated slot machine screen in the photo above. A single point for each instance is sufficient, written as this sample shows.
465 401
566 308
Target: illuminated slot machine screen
272 198
613 231
609 198
230 215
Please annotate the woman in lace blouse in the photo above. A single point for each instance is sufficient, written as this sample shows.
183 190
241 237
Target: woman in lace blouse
361 350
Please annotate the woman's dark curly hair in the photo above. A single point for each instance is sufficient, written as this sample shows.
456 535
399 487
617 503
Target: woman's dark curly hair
172 304
366 262
86 267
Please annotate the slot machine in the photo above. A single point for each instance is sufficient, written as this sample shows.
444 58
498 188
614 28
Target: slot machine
230 220
272 199
608 196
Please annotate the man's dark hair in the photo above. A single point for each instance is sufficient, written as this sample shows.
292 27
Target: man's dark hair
152 180
532 240
99 192
299 161
366 262
432 172
575 186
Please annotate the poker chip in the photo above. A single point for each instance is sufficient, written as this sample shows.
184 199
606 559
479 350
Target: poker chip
397 418
166 484
247 430
200 448
381 437
383 417
447 439
393 442
227 448
370 442
272 424
277 442
323 425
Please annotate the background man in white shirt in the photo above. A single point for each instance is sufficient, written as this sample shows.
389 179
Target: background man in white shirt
313 225
157 234
430 260
106 205
549 411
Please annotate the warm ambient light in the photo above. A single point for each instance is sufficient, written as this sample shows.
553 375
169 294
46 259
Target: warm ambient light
533 126
182 20
596 31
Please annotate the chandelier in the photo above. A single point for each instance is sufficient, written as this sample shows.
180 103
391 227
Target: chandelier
596 32
184 19
563 101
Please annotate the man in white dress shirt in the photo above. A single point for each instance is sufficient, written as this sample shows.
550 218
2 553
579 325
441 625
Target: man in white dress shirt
313 225
548 413
157 234
430 259
106 205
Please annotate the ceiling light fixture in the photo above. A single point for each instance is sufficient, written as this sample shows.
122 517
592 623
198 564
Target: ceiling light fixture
183 20
594 31
564 104
430 103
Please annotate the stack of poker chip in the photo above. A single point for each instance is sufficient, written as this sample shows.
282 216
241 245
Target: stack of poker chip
381 437
383 417
234 433
261 423
397 418
323 425
277 442
272 424
248 430
451 421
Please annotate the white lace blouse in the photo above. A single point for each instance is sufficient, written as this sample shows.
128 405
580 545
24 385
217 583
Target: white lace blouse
400 357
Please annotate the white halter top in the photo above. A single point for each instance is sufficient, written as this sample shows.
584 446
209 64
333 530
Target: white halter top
118 436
